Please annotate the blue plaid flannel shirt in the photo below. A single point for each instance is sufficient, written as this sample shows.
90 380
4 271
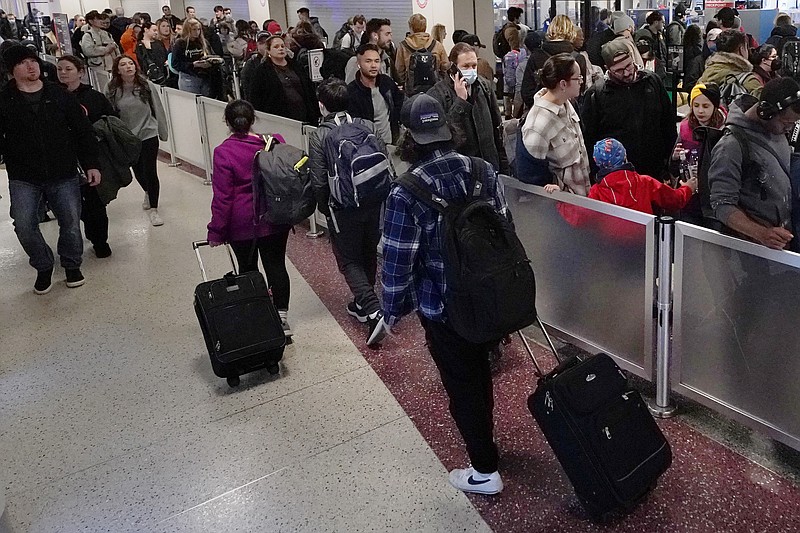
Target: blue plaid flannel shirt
413 269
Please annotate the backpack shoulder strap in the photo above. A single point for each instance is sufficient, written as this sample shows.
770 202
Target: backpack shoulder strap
741 138
476 171
420 190
408 46
432 44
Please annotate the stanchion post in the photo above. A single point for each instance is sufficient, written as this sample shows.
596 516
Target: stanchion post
663 407
173 161
237 90
207 156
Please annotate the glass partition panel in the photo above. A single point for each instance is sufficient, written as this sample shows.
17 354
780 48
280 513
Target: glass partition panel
185 126
594 269
216 128
737 340
292 130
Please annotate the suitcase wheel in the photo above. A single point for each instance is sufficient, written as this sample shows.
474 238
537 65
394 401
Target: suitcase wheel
233 381
273 369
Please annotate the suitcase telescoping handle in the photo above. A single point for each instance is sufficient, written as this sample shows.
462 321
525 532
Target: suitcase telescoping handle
527 346
196 246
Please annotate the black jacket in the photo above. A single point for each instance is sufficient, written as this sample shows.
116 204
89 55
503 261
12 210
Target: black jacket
780 35
5 30
693 64
530 81
595 44
267 95
94 103
476 121
46 143
360 101
640 116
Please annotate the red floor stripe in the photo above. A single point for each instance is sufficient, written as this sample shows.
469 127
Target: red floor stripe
709 488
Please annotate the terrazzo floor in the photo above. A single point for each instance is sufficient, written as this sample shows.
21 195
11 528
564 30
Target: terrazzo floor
111 419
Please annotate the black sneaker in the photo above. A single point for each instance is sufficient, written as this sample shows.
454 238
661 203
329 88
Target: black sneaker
74 278
102 250
44 282
355 311
377 328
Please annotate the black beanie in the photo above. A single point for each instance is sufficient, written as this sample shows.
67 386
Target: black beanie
16 55
780 92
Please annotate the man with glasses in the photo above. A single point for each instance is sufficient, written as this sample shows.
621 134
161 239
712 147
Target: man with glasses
632 106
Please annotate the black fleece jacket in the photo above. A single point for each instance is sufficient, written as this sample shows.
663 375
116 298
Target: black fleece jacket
360 101
45 142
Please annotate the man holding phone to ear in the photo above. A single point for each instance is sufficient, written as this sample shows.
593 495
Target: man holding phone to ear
468 101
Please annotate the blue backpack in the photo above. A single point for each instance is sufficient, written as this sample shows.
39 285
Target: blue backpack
358 167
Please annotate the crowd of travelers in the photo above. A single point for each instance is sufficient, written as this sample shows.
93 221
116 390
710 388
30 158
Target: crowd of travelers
591 117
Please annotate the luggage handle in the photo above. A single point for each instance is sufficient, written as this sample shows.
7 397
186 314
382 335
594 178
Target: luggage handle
538 369
196 246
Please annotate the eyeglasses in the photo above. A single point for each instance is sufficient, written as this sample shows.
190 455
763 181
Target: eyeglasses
579 78
628 68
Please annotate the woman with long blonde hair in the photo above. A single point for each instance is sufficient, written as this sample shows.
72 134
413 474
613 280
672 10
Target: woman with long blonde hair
189 58
560 39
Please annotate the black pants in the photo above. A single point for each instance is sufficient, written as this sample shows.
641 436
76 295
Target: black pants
146 170
464 369
355 247
93 215
273 256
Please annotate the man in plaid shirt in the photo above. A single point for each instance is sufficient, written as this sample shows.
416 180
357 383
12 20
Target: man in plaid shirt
413 279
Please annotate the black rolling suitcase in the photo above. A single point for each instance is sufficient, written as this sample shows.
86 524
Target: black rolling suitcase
240 324
600 430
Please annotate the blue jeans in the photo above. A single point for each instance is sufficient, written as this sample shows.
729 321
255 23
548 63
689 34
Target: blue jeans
194 84
64 198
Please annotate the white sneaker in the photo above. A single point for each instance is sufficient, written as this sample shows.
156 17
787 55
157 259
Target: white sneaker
155 219
146 203
464 479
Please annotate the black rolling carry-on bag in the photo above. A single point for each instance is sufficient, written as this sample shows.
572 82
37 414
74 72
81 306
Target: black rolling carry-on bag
241 325
601 431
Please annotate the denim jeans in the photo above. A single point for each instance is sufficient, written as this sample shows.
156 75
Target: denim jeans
64 198
194 84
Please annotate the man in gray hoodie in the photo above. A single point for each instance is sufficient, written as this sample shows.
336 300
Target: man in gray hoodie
752 195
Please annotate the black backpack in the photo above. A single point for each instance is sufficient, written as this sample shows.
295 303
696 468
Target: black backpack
421 69
500 45
282 192
733 87
699 208
790 58
491 290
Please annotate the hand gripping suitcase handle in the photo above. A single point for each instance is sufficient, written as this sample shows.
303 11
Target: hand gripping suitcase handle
196 246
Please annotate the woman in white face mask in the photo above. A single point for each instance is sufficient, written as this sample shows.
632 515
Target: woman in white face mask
471 108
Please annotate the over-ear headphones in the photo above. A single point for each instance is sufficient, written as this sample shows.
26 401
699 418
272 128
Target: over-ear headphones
767 110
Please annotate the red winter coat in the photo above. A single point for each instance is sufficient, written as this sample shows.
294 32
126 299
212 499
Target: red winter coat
627 188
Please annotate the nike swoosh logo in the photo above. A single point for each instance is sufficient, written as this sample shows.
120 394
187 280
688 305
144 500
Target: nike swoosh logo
473 482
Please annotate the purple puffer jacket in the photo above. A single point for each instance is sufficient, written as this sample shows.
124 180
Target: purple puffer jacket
232 204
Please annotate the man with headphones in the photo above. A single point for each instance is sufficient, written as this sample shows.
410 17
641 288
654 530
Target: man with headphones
749 178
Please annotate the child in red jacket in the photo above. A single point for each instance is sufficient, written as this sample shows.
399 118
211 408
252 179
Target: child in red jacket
620 184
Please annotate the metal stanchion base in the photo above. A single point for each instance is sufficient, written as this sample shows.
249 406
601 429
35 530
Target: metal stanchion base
662 412
206 182
175 164
315 234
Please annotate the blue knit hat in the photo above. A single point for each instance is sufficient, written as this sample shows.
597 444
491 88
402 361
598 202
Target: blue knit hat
609 153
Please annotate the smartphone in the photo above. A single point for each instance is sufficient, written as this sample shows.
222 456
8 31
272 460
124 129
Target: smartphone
453 70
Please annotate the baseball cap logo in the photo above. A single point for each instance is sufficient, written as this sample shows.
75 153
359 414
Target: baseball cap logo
425 118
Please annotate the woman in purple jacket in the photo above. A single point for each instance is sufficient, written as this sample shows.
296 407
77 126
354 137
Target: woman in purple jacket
232 208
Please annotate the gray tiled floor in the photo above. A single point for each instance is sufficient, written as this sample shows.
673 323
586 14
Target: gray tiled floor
111 419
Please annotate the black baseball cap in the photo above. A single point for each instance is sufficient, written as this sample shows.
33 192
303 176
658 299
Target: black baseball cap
473 40
425 119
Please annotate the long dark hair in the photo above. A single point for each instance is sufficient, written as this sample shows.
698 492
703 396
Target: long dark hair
693 36
140 87
412 152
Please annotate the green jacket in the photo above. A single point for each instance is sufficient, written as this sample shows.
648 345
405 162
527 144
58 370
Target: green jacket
719 65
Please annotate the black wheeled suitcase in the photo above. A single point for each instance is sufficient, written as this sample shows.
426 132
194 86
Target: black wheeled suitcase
601 431
240 324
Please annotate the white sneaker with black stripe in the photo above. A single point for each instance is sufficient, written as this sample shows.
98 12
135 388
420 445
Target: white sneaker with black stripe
469 480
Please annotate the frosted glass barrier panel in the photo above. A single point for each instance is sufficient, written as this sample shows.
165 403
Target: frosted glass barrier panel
292 130
215 122
737 318
591 270
185 126
164 145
